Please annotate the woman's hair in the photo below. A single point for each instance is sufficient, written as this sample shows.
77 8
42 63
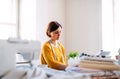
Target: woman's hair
52 26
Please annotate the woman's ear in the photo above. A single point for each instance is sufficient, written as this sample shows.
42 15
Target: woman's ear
48 34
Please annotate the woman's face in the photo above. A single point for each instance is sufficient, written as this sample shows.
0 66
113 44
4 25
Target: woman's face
55 35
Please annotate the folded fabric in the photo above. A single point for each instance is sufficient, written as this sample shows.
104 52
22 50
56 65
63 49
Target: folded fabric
101 65
97 59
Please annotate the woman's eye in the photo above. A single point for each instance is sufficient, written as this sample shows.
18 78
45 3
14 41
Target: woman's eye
57 32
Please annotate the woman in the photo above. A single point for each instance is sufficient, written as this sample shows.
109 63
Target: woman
53 52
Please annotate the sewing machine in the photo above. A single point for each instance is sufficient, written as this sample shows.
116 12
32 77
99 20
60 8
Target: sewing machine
9 48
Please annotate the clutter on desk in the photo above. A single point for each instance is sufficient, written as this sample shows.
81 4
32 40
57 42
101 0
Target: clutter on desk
101 54
19 47
100 61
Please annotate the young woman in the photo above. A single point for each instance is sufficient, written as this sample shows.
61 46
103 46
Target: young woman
53 52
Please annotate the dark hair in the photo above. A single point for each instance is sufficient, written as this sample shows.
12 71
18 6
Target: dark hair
52 26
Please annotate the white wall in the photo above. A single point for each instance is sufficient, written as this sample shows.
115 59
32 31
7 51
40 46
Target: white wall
42 19
49 10
83 30
56 12
81 21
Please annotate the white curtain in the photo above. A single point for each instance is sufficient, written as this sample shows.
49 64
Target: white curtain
116 25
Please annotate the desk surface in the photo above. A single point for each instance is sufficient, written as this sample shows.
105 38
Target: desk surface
93 74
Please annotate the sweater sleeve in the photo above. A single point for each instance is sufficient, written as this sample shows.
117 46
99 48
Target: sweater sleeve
49 57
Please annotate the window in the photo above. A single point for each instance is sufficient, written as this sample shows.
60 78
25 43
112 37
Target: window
8 23
116 26
18 19
111 26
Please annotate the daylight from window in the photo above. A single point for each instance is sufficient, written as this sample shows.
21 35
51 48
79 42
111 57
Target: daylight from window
111 26
7 19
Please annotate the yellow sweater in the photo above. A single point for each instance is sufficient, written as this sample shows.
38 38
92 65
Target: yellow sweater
53 56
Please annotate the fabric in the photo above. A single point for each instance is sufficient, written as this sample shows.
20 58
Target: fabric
101 65
15 74
106 77
53 56
98 59
36 73
71 76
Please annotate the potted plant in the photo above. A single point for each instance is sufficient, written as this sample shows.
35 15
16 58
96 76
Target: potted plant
73 54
